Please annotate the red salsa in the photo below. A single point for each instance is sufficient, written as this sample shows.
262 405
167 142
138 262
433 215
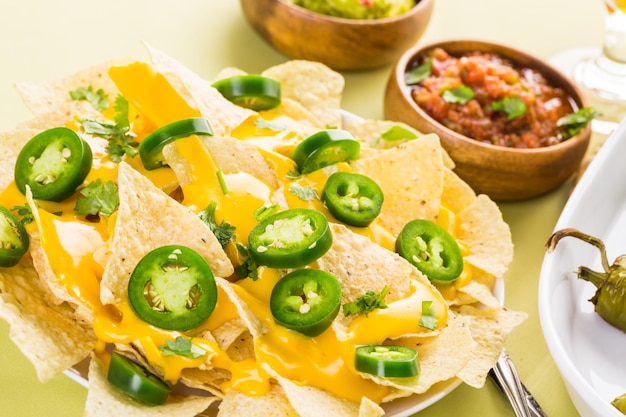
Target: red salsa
487 98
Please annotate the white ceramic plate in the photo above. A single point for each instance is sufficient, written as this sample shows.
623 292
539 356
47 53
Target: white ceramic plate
588 352
402 407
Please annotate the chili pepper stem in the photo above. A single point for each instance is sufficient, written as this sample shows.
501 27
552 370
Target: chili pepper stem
596 278
560 234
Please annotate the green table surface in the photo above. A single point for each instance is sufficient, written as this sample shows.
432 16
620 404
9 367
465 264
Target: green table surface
44 40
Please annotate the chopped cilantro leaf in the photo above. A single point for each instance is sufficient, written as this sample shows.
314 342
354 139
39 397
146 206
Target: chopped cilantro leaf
366 303
395 133
420 73
512 106
303 193
428 319
181 347
24 213
248 267
98 99
573 123
121 140
224 232
460 95
98 198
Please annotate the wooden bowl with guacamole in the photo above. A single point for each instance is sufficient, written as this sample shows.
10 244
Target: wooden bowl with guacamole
345 35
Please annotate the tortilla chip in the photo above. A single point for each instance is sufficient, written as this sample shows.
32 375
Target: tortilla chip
489 329
457 194
223 116
104 400
314 402
411 176
377 266
48 335
479 293
482 229
441 358
312 84
45 97
273 404
370 131
147 219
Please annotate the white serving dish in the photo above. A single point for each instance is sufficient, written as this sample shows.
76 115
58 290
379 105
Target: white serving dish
589 353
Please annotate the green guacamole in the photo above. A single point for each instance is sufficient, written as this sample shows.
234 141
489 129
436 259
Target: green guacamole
357 9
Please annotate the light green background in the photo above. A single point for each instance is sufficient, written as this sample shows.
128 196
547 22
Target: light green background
44 40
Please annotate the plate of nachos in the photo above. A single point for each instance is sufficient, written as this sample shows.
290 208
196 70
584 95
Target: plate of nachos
174 244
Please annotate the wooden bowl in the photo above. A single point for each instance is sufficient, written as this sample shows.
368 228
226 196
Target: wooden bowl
502 173
342 44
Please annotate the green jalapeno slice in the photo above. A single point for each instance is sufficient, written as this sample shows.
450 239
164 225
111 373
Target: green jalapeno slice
53 164
325 148
251 91
13 237
431 249
387 361
354 199
306 300
136 381
151 148
172 287
290 239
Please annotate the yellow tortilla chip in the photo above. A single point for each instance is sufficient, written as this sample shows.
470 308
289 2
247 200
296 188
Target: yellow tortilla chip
48 335
314 402
312 84
46 97
147 219
489 329
457 194
411 176
441 358
273 404
223 116
482 229
104 400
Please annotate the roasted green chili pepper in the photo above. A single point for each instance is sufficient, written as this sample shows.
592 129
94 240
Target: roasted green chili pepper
610 297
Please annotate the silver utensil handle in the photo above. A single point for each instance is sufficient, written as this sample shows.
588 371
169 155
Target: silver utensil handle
522 401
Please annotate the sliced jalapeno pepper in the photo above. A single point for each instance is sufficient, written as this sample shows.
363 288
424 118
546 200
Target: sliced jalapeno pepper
254 92
387 361
53 164
325 148
290 238
172 287
151 148
306 300
13 237
353 198
431 249
136 381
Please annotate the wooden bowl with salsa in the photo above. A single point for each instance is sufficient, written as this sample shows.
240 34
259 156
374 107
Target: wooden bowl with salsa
342 43
510 122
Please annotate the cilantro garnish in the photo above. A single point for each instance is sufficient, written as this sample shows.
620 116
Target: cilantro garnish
224 231
395 133
459 95
98 99
303 193
428 319
181 347
248 267
98 198
366 303
573 123
512 106
121 140
420 73
24 213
